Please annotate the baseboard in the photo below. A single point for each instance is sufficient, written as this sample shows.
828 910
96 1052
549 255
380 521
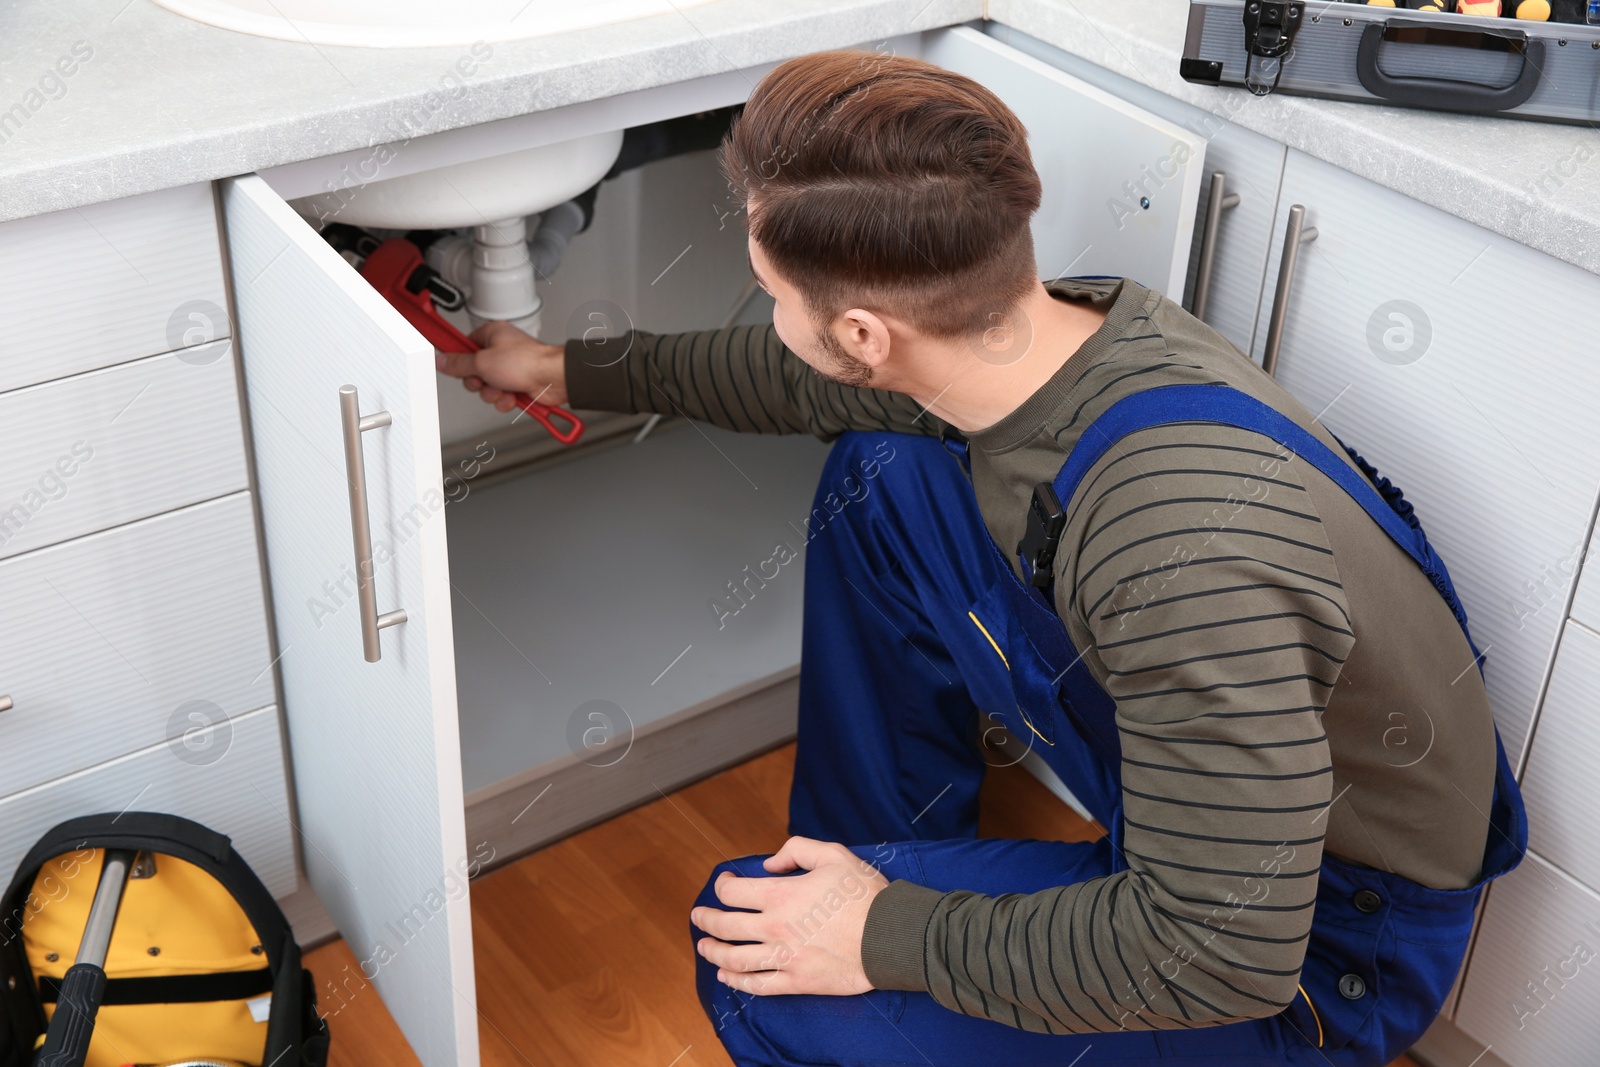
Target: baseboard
311 923
566 795
1444 1045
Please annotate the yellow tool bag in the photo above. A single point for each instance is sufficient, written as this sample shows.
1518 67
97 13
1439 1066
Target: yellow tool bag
144 939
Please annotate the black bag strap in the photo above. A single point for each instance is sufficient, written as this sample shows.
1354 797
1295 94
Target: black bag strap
173 988
170 835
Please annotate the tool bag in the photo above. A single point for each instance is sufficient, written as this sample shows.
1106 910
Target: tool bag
201 966
1437 60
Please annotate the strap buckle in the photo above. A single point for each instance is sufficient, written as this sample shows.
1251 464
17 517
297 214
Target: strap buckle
1046 522
955 442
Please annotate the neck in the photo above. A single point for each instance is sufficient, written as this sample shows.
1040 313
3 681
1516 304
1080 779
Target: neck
973 385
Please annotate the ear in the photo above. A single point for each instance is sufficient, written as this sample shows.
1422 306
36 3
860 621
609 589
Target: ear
864 334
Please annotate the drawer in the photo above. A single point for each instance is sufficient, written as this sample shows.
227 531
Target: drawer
106 640
100 449
1586 604
229 776
1531 991
88 287
1558 785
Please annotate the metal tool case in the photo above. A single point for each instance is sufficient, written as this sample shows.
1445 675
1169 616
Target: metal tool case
1464 63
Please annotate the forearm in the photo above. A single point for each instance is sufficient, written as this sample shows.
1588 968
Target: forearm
1199 933
742 378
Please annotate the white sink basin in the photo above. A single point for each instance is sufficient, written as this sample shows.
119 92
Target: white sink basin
415 23
476 193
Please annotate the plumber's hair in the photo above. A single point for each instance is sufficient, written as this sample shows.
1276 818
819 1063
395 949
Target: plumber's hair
887 183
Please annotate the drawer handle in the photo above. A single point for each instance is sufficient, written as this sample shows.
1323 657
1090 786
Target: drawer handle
1295 234
1220 201
6 704
355 466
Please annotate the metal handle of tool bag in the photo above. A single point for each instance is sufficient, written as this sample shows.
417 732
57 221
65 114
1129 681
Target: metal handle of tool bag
1443 93
1295 234
355 465
1220 200
6 703
72 1026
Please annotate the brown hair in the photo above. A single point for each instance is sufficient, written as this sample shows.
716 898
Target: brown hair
888 183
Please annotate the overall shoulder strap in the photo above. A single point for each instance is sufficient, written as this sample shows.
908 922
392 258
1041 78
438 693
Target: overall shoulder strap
1226 405
1378 498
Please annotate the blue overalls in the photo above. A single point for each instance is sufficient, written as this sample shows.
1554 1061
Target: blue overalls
908 602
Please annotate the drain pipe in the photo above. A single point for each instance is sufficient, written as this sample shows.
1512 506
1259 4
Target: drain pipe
557 227
502 284
498 267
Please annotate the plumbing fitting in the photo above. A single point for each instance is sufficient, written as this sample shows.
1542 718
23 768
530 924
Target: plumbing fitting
499 266
549 242
502 285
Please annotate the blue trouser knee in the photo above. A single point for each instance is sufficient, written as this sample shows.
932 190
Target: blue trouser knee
889 762
893 1027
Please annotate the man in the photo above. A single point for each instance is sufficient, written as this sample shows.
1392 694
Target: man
1091 518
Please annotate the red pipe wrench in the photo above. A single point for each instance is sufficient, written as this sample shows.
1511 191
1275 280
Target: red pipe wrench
392 269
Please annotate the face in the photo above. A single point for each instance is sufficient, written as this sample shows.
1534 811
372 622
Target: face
822 351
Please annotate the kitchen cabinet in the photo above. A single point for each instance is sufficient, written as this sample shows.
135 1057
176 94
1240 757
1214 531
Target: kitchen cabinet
1399 334
1558 784
98 449
1251 167
1525 996
135 657
638 630
107 639
1101 211
1479 411
1530 994
375 745
227 775
88 287
376 727
1586 602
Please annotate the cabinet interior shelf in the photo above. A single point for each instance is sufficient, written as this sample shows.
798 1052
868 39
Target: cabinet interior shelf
594 581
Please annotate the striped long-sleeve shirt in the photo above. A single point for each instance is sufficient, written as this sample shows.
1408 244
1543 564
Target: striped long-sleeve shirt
1261 636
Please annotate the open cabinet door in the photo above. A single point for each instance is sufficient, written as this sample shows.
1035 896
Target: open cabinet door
1121 184
375 745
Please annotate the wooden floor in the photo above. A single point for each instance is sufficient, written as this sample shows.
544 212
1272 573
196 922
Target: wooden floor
583 953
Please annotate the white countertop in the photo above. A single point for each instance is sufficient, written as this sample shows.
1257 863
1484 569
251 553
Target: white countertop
164 101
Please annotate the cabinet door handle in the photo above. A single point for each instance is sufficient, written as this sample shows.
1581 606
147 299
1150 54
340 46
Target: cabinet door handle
1220 201
5 703
1295 234
355 466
